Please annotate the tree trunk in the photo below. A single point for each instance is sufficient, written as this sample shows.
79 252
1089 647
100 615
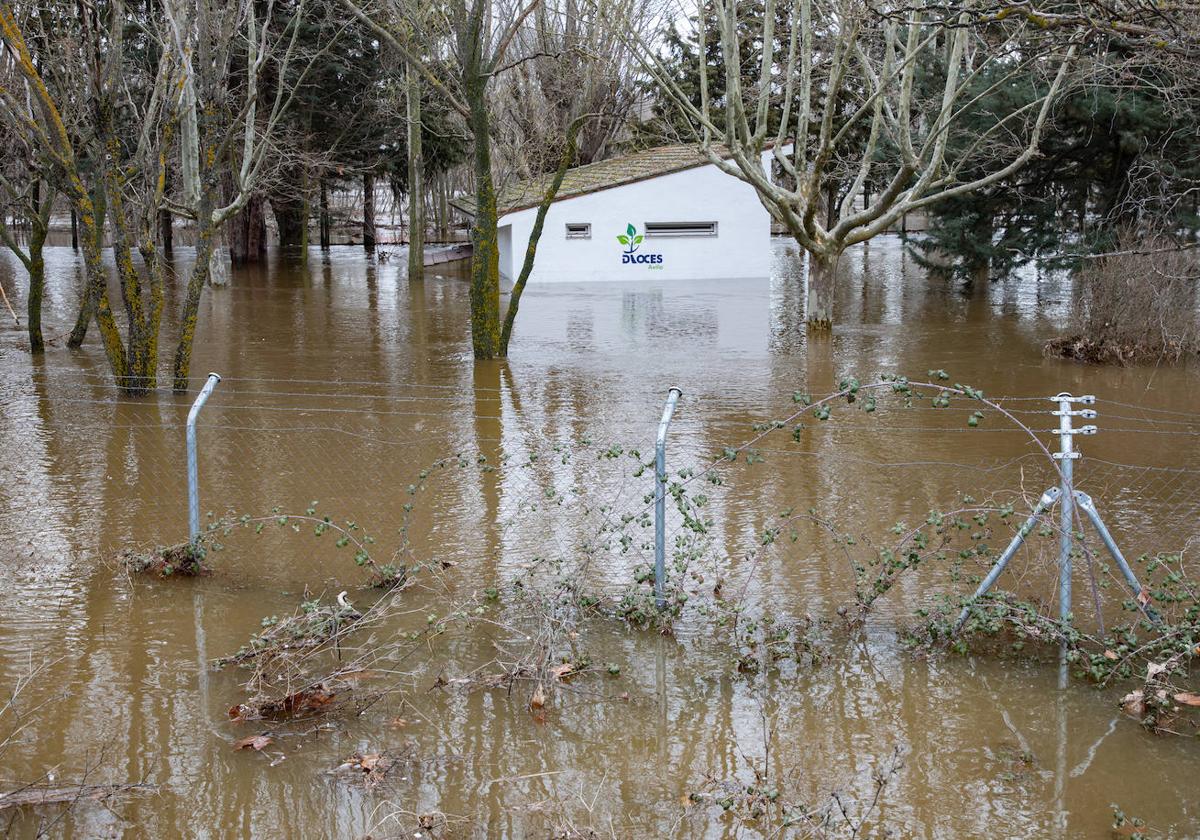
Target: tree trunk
33 308
444 208
74 230
323 220
416 182
205 240
95 283
981 273
218 260
37 287
291 212
485 256
819 287
166 225
248 232
535 235
368 229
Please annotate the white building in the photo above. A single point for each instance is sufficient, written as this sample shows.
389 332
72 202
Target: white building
659 214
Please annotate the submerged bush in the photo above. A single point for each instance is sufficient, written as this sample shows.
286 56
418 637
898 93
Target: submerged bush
1138 304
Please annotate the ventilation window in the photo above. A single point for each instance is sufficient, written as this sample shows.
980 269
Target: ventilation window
579 230
681 228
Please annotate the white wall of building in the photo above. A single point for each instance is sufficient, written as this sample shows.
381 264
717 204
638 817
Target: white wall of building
741 247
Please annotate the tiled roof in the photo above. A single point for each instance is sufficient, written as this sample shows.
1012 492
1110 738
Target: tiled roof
593 177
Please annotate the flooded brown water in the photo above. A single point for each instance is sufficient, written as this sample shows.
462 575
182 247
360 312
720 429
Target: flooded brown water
342 382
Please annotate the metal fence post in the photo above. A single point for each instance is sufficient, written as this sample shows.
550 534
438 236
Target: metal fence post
660 498
1066 457
193 488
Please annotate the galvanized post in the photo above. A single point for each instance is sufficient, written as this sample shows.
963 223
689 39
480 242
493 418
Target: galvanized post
1048 498
1140 598
660 498
1066 456
193 488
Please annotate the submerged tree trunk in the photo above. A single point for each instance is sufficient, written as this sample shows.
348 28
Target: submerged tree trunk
218 260
206 238
33 308
166 225
37 276
167 231
819 286
92 215
323 220
368 229
291 212
416 181
33 261
535 235
248 232
485 256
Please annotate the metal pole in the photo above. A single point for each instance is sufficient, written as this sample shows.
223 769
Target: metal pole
1066 455
1089 507
660 498
1048 498
193 489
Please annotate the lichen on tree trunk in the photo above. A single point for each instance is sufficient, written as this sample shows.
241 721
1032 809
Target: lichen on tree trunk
37 286
191 309
485 256
95 229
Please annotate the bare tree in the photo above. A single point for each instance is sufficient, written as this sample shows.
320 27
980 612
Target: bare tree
859 95
30 198
459 55
198 100
571 59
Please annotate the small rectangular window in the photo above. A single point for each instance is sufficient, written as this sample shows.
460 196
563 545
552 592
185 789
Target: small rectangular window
579 230
681 228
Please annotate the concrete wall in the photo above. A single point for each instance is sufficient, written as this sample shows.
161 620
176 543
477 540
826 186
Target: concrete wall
741 247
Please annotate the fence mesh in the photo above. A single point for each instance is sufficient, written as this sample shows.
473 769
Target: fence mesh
499 485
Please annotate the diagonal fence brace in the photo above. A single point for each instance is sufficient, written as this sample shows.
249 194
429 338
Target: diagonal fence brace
1089 507
1048 498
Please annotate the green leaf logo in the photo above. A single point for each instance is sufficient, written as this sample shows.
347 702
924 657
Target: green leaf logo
637 240
631 230
624 240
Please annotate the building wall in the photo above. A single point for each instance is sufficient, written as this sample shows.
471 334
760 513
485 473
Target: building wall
504 240
741 248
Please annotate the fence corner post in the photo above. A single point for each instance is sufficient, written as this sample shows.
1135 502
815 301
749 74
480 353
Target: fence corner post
192 479
660 498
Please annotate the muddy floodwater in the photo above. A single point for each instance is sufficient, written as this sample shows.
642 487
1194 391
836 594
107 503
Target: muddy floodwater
343 388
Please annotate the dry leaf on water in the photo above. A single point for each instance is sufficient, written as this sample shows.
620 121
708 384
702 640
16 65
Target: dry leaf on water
1187 698
254 742
562 671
